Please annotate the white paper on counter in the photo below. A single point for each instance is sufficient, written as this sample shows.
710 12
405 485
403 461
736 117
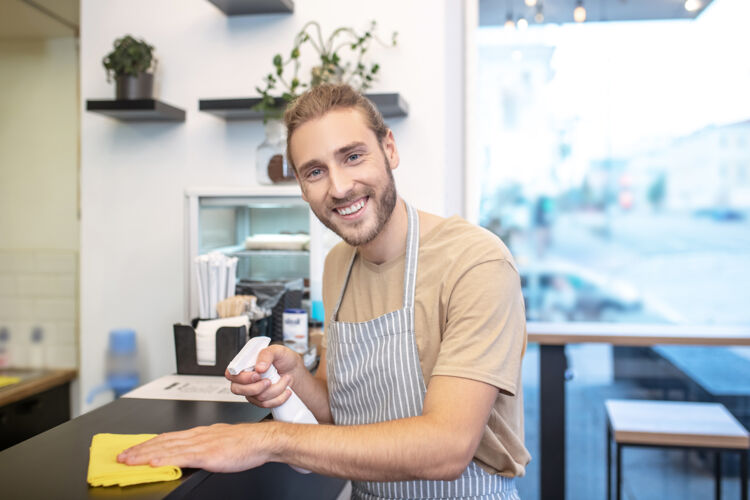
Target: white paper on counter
187 388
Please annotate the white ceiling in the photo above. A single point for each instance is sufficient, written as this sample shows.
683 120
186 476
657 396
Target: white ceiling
34 19
495 12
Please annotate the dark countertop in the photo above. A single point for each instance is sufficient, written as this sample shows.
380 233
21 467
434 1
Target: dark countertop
54 464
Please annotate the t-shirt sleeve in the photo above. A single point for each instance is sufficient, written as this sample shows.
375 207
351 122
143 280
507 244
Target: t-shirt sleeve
485 332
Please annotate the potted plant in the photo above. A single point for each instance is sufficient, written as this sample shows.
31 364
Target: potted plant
340 59
129 63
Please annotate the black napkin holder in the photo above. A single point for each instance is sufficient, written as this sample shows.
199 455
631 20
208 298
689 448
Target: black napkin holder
229 341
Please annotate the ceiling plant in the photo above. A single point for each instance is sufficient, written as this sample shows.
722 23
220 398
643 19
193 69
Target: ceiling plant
131 64
340 58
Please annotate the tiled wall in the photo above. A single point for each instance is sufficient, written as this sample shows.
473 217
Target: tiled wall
39 289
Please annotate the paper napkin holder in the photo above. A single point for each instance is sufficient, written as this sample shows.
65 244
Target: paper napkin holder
229 341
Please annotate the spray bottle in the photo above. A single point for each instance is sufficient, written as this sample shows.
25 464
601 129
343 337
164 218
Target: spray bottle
293 410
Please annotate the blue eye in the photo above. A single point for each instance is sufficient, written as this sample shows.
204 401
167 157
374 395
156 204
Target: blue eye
354 157
314 172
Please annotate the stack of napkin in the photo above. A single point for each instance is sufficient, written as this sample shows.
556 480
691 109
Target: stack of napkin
205 337
105 470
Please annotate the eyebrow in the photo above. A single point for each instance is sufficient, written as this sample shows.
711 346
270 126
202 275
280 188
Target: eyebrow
339 152
345 149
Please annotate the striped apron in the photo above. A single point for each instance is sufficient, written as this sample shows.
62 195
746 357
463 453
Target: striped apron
374 375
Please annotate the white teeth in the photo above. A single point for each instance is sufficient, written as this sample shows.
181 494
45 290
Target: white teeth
351 209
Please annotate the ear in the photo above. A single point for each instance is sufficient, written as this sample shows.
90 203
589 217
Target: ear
390 149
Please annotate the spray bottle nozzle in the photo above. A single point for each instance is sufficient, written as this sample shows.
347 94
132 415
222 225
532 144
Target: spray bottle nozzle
246 358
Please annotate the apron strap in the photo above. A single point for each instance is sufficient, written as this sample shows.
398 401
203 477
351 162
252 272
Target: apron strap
410 265
412 256
335 313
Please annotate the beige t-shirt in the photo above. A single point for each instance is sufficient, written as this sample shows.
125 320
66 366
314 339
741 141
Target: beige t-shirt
469 320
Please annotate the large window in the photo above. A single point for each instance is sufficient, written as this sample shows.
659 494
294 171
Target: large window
616 165
614 161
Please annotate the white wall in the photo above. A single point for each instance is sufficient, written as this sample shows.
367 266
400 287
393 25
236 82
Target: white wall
38 197
133 175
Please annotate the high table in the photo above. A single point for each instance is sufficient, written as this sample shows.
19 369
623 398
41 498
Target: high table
54 464
552 338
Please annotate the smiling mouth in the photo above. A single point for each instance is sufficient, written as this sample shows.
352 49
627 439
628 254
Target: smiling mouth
352 209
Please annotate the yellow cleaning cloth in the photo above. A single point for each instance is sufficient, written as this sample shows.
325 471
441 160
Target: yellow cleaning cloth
105 470
8 380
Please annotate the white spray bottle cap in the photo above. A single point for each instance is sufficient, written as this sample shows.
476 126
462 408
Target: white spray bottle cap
247 357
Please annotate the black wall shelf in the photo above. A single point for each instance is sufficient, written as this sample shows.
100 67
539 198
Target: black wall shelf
137 110
390 105
248 7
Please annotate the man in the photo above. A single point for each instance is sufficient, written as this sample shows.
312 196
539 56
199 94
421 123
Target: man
425 333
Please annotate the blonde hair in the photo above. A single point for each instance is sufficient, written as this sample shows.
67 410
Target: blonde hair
319 100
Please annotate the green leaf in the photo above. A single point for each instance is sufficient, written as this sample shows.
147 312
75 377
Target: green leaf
277 60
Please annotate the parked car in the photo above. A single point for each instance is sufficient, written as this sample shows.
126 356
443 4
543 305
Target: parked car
564 292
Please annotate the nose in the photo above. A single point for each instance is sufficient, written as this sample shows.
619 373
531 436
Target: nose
341 182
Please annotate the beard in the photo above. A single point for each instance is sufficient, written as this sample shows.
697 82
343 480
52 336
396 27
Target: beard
384 205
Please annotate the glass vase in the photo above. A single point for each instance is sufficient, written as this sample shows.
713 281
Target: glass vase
270 158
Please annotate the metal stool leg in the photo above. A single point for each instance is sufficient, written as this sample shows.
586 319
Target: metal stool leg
618 470
743 474
609 462
717 473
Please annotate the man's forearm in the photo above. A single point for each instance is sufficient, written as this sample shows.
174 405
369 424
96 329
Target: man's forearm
413 448
435 445
314 393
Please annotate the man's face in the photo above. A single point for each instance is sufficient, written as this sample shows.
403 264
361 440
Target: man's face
345 174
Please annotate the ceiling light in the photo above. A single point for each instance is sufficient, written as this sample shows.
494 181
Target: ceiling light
692 5
530 3
522 24
539 16
579 13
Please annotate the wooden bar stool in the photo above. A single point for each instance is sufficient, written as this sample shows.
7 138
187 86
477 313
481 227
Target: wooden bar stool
674 424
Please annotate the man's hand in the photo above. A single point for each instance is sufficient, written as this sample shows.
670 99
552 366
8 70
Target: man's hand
217 448
260 391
